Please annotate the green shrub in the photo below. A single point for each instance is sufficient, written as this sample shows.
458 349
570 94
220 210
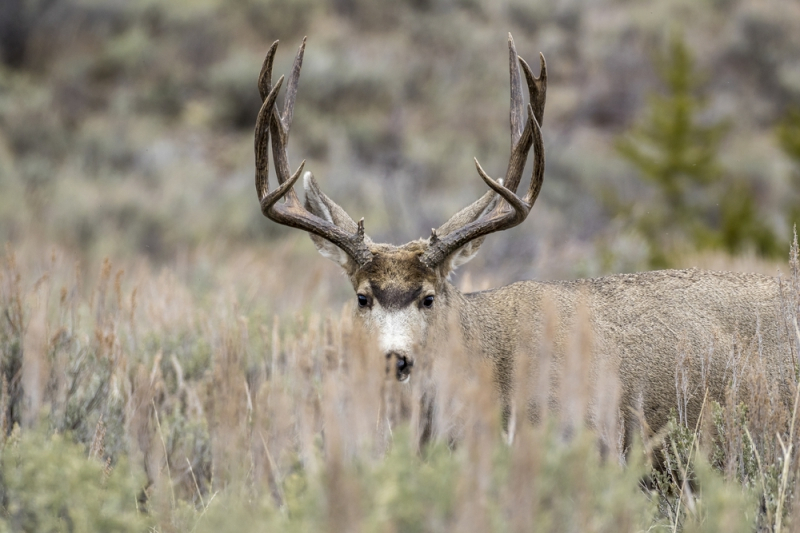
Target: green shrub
691 494
49 484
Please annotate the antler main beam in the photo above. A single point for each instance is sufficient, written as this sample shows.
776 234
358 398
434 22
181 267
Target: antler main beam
291 212
514 209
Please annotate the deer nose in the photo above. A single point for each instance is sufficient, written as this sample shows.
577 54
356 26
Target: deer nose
402 366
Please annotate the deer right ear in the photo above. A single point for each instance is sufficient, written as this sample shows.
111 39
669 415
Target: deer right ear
477 210
325 208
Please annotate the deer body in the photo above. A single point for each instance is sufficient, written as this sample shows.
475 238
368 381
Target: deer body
650 326
670 335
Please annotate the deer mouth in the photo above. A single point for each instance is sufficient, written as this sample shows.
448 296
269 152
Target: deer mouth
402 366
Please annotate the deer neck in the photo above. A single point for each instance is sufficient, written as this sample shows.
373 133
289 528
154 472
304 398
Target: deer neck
481 327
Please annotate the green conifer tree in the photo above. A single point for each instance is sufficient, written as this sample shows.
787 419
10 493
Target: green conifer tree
678 155
789 139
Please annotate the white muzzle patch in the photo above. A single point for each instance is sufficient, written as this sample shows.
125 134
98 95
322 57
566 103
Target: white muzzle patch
398 331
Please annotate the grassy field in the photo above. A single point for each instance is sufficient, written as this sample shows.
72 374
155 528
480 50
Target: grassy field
171 361
181 399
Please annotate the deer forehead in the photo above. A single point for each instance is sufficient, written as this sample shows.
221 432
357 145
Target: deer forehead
396 277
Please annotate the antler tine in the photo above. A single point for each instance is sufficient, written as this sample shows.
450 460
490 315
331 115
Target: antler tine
537 175
537 87
517 204
537 90
517 108
290 212
280 124
291 88
265 77
268 96
519 155
262 136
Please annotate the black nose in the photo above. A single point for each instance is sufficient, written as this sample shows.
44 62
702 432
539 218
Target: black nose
402 365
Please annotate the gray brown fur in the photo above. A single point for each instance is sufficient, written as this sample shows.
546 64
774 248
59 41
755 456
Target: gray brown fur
643 323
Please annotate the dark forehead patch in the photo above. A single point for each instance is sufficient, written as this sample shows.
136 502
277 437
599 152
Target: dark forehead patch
396 276
395 297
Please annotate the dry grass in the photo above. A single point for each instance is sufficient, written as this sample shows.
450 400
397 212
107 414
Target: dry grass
212 412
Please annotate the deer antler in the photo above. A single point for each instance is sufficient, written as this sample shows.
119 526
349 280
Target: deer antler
515 209
291 212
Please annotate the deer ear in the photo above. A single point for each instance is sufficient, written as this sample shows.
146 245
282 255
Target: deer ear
466 253
325 208
463 255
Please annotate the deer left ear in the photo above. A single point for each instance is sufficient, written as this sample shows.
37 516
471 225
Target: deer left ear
325 208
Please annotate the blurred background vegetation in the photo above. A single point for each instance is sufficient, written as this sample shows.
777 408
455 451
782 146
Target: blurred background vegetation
126 126
184 383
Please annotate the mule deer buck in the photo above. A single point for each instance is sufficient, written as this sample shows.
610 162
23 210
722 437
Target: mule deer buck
644 321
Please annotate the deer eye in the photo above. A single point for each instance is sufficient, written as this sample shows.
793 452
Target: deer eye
428 301
363 301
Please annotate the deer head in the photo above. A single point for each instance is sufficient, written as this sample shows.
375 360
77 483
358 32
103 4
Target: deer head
402 292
